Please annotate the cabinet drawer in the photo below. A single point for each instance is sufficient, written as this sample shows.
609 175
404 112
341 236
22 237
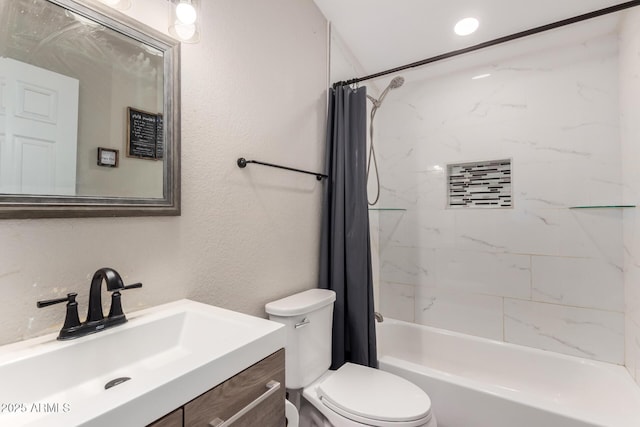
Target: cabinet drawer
174 419
230 397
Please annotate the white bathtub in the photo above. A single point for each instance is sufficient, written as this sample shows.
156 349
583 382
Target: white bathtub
476 382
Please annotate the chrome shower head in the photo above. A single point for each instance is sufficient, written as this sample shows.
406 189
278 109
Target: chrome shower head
396 82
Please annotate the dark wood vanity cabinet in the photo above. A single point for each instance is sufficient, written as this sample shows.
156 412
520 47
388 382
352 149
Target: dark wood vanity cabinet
262 382
174 419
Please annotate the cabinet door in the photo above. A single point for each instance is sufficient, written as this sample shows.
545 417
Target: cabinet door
174 419
240 391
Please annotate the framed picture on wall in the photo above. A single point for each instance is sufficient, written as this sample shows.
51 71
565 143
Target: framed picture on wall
108 157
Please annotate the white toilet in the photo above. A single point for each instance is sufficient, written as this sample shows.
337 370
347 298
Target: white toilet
353 395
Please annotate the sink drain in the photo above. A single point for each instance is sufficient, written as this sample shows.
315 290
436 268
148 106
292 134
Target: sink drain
115 382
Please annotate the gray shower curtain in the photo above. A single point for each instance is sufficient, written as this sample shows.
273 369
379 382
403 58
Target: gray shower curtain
345 251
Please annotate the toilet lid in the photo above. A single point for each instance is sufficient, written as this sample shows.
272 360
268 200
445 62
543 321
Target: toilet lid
357 391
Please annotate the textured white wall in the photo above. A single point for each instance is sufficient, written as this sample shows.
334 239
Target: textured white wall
630 135
254 87
539 274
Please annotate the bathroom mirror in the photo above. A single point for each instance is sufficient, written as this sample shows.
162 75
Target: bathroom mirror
89 112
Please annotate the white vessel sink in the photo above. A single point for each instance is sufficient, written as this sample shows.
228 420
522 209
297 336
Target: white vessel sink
171 353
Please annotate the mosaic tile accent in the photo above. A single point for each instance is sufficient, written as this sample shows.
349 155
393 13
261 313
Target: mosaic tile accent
480 184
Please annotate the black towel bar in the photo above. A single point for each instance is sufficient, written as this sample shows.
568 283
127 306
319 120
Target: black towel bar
242 163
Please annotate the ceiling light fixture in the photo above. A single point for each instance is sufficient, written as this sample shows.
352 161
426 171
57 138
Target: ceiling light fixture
466 26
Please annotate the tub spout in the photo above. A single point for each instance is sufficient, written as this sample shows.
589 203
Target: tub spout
379 317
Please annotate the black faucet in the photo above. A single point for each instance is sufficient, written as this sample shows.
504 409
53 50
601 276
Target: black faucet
95 321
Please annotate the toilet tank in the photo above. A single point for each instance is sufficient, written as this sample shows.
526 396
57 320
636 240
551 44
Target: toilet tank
308 318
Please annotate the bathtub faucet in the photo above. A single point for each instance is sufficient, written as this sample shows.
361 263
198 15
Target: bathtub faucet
379 317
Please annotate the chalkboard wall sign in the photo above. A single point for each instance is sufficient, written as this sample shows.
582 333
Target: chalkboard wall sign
144 135
159 138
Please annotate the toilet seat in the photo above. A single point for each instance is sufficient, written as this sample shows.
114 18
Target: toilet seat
373 397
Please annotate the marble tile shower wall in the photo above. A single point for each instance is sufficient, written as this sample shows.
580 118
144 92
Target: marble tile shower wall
630 135
538 274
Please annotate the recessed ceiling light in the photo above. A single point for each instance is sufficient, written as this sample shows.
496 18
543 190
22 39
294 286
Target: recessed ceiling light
480 76
466 26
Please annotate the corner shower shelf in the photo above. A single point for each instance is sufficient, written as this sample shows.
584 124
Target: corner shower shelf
602 207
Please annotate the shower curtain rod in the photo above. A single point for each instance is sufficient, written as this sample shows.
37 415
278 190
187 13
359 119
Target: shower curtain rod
515 36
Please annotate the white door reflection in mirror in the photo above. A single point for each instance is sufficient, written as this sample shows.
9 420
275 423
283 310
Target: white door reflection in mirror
38 130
